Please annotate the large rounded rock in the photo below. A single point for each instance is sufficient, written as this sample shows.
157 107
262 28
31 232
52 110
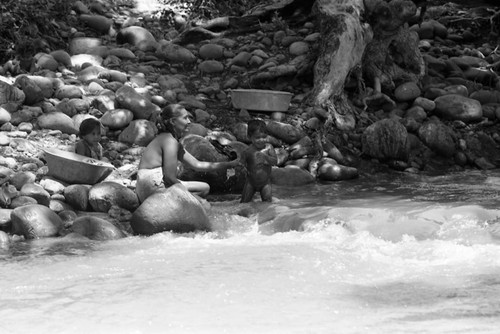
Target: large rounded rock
57 121
173 209
130 99
140 132
211 51
77 195
408 91
104 195
386 140
35 221
458 107
37 192
31 90
329 171
96 228
117 118
10 95
291 176
438 137
99 23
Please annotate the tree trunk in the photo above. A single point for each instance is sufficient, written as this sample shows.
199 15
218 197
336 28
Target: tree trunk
344 39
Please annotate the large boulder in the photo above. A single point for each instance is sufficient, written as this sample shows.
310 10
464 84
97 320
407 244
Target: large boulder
35 221
386 139
104 195
291 176
286 132
173 209
140 132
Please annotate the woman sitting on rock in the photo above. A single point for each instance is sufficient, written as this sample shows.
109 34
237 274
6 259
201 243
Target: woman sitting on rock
158 165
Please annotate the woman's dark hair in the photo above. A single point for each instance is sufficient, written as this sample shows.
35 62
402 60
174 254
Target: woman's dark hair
88 125
256 125
167 113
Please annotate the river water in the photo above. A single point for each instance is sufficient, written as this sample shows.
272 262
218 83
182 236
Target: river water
380 254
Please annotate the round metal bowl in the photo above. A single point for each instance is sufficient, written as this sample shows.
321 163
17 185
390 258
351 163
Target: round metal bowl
260 100
75 168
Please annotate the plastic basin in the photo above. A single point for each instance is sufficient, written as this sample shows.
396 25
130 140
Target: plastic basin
260 100
75 168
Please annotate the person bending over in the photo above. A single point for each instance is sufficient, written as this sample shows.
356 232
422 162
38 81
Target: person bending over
158 165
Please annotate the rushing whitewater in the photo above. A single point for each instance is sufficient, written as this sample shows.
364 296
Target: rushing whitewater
395 254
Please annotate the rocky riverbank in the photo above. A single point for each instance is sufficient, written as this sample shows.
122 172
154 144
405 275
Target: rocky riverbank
122 68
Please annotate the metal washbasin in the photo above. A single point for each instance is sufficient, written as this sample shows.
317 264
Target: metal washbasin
75 168
260 100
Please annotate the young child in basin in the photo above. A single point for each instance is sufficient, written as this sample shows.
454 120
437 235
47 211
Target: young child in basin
258 159
90 136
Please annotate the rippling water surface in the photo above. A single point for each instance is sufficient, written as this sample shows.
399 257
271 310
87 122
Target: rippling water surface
381 254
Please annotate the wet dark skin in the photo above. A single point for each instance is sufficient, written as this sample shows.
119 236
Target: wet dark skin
162 152
258 158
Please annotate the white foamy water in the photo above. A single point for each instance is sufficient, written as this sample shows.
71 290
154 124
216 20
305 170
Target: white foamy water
409 255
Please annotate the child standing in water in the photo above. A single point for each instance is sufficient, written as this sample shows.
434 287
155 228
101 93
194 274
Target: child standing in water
258 159
90 136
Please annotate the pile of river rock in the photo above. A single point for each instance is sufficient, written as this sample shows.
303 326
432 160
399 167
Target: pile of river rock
117 71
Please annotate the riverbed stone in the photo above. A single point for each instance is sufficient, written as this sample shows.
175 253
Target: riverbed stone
102 196
35 221
329 171
142 108
211 51
407 91
117 118
438 137
96 228
175 54
173 209
57 121
140 132
137 36
284 131
77 195
99 23
386 140
291 176
37 192
458 107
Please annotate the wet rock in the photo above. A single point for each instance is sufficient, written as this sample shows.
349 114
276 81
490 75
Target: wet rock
35 221
140 132
91 73
241 59
417 113
22 200
69 92
19 179
458 107
77 195
173 209
302 148
329 171
37 192
104 195
58 205
96 228
45 84
438 137
486 96
169 82
117 118
386 140
291 176
137 36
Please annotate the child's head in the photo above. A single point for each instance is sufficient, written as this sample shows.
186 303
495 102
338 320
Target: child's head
90 130
257 132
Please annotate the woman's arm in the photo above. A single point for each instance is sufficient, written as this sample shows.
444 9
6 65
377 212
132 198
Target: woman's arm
208 166
169 148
